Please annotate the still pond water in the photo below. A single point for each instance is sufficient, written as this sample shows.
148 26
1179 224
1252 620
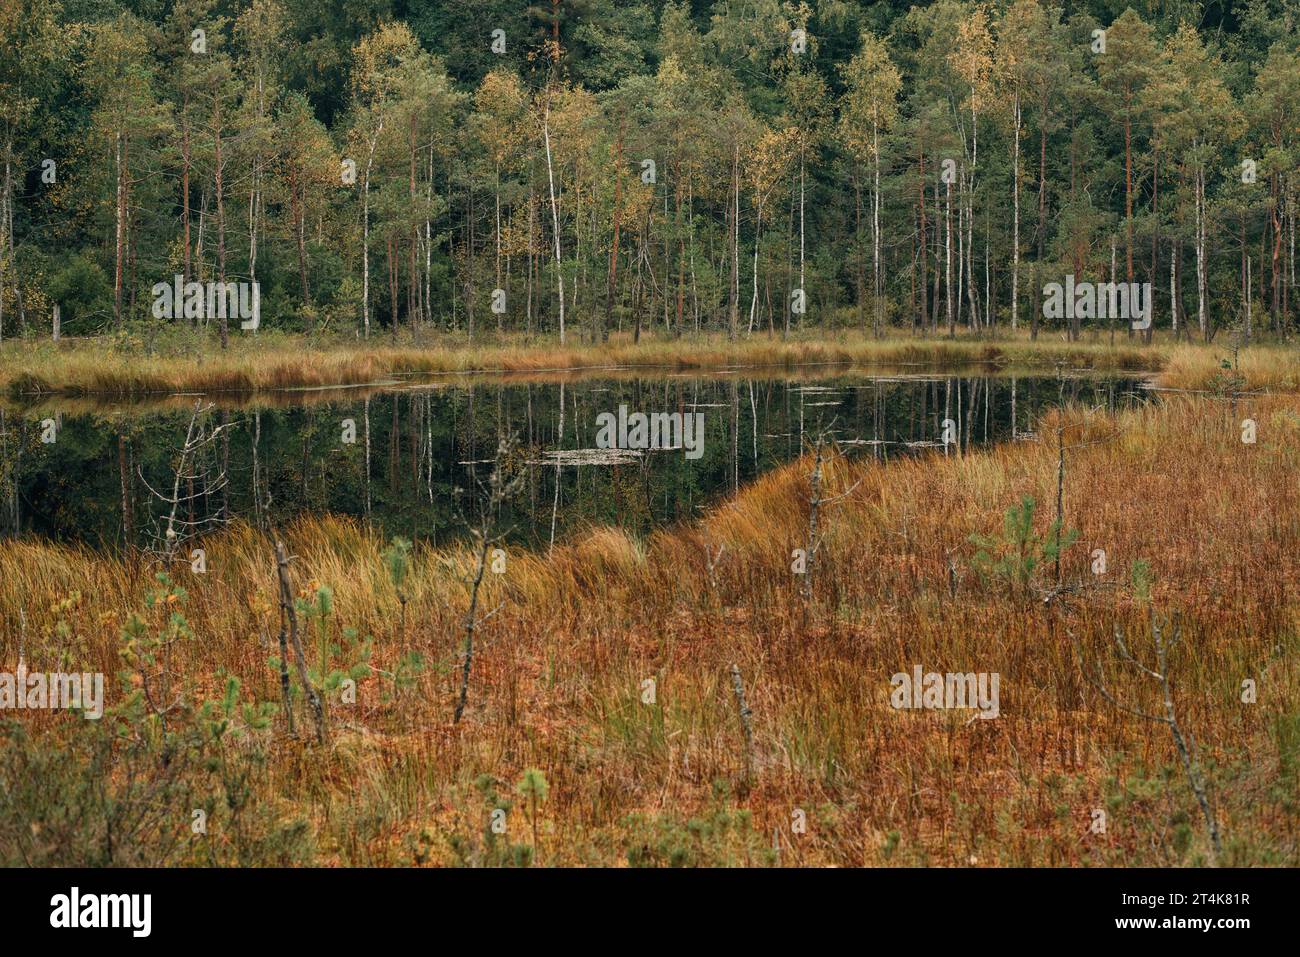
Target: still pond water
414 457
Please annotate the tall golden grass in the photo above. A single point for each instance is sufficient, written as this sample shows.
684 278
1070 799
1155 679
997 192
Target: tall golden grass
559 669
292 362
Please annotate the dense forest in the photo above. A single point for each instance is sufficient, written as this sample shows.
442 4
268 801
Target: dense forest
568 168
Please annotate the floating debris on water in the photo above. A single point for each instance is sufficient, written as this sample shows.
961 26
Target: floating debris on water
591 457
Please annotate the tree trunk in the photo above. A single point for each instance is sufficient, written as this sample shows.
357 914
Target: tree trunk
947 258
296 202
224 325
612 278
1015 221
555 211
923 286
1042 208
185 180
1128 197
1201 316
753 302
803 288
119 218
877 280
365 234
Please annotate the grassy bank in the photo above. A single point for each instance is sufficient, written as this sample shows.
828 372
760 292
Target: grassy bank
271 362
560 672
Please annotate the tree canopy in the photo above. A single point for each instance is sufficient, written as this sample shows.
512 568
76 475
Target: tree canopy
749 168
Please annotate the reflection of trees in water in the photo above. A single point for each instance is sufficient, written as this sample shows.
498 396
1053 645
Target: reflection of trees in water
412 454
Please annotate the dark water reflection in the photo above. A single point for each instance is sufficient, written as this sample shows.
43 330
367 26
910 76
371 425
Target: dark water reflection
420 452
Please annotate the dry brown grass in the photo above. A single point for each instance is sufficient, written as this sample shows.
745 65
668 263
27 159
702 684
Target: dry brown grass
1274 369
86 367
248 371
557 677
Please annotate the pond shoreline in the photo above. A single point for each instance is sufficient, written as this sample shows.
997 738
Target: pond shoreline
281 363
398 452
290 396
278 362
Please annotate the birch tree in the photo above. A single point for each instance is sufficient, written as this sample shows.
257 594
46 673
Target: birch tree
377 60
1022 27
868 108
